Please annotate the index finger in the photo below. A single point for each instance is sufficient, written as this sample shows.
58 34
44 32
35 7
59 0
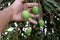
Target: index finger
21 0
32 4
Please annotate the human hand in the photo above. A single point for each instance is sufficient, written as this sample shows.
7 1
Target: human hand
17 8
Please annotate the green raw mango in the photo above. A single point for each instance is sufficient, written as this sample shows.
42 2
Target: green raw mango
41 22
35 9
28 30
26 14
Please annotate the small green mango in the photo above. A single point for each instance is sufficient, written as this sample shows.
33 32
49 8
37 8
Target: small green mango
26 14
41 22
35 9
28 30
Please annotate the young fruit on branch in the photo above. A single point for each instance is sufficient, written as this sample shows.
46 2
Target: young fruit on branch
26 14
41 22
28 30
35 9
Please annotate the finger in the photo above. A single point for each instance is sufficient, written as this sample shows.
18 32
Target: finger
29 9
20 0
32 15
32 21
32 4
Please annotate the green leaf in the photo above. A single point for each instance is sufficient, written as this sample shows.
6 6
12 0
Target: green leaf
55 4
46 7
51 6
1 1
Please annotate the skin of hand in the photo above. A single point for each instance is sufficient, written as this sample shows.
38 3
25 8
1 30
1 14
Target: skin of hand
18 7
13 13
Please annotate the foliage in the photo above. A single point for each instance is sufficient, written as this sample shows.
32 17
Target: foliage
49 11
